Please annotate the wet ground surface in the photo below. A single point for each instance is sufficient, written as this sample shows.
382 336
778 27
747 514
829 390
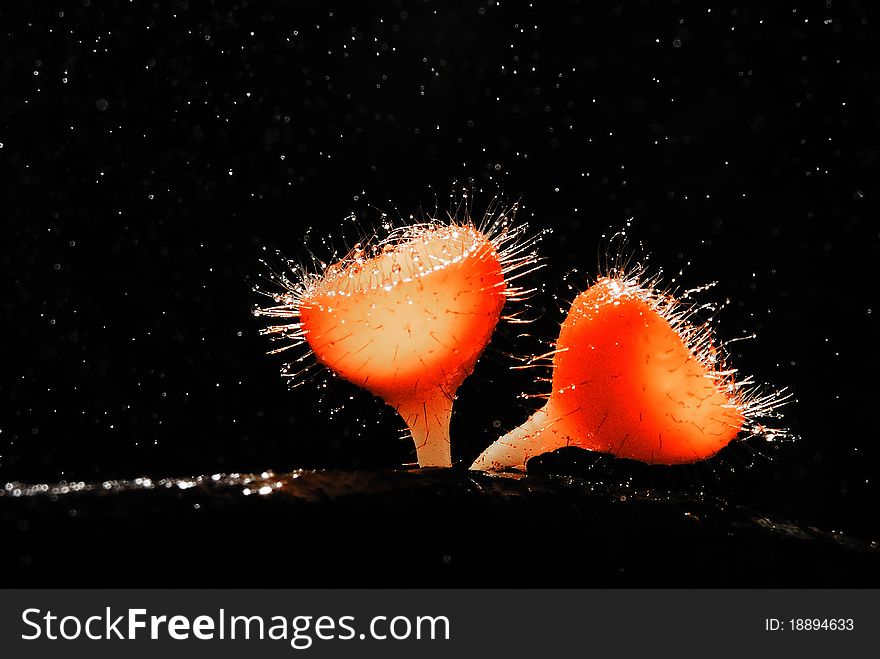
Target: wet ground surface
406 528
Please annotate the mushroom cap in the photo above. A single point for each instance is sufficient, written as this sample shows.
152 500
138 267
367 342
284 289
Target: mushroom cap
412 319
626 382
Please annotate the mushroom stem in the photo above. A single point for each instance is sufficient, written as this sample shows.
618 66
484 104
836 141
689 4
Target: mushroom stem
428 422
514 449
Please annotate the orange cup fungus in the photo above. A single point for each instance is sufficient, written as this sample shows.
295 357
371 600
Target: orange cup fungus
408 320
633 378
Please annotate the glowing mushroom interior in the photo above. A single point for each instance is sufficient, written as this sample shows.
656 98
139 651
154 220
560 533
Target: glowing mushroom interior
409 322
632 378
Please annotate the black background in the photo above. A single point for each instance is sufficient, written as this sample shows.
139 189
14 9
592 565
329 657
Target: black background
152 154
